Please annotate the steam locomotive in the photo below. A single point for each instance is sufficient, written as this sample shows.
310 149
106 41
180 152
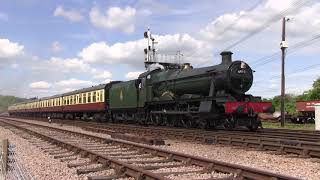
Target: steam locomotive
167 94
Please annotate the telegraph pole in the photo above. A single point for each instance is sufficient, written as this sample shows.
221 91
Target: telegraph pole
283 46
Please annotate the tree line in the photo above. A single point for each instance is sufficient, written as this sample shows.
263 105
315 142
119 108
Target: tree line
290 99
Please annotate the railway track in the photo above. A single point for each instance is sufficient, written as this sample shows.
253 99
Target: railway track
285 134
304 144
281 145
134 160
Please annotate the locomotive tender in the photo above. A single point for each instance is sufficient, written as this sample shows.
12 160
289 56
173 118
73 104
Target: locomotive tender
171 94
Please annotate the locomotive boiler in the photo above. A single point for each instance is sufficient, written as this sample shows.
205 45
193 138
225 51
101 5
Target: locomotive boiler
228 77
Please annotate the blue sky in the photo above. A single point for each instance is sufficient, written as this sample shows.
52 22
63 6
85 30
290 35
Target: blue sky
50 47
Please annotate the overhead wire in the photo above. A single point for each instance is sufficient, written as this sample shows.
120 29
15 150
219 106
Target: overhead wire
278 16
233 23
296 71
293 49
292 7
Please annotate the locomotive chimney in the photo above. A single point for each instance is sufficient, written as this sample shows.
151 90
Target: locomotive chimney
226 57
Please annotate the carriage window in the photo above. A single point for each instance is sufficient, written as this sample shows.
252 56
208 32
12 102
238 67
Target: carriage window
74 99
98 96
80 98
94 97
89 97
84 98
102 96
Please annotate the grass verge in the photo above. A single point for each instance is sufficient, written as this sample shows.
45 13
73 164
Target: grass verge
288 125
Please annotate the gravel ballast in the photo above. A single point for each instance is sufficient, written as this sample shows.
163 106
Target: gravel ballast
38 164
291 165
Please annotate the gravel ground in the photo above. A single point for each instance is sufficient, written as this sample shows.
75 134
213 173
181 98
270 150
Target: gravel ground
284 164
178 169
100 173
37 163
291 165
199 176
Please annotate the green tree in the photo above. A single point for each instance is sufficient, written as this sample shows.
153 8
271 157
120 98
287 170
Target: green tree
6 101
290 99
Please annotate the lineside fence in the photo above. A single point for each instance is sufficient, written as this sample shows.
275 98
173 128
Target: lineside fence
11 166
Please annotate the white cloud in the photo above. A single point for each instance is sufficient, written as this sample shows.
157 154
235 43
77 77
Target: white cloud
56 47
133 75
40 85
71 15
131 52
73 83
115 18
73 65
103 75
107 81
309 17
101 52
14 66
10 49
4 17
234 25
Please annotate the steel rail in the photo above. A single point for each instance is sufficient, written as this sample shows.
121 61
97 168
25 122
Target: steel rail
301 135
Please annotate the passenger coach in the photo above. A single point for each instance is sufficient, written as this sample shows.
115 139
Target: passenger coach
85 103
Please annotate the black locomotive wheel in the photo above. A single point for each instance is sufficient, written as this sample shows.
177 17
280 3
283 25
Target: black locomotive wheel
252 128
254 124
229 123
187 123
156 119
202 124
170 120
